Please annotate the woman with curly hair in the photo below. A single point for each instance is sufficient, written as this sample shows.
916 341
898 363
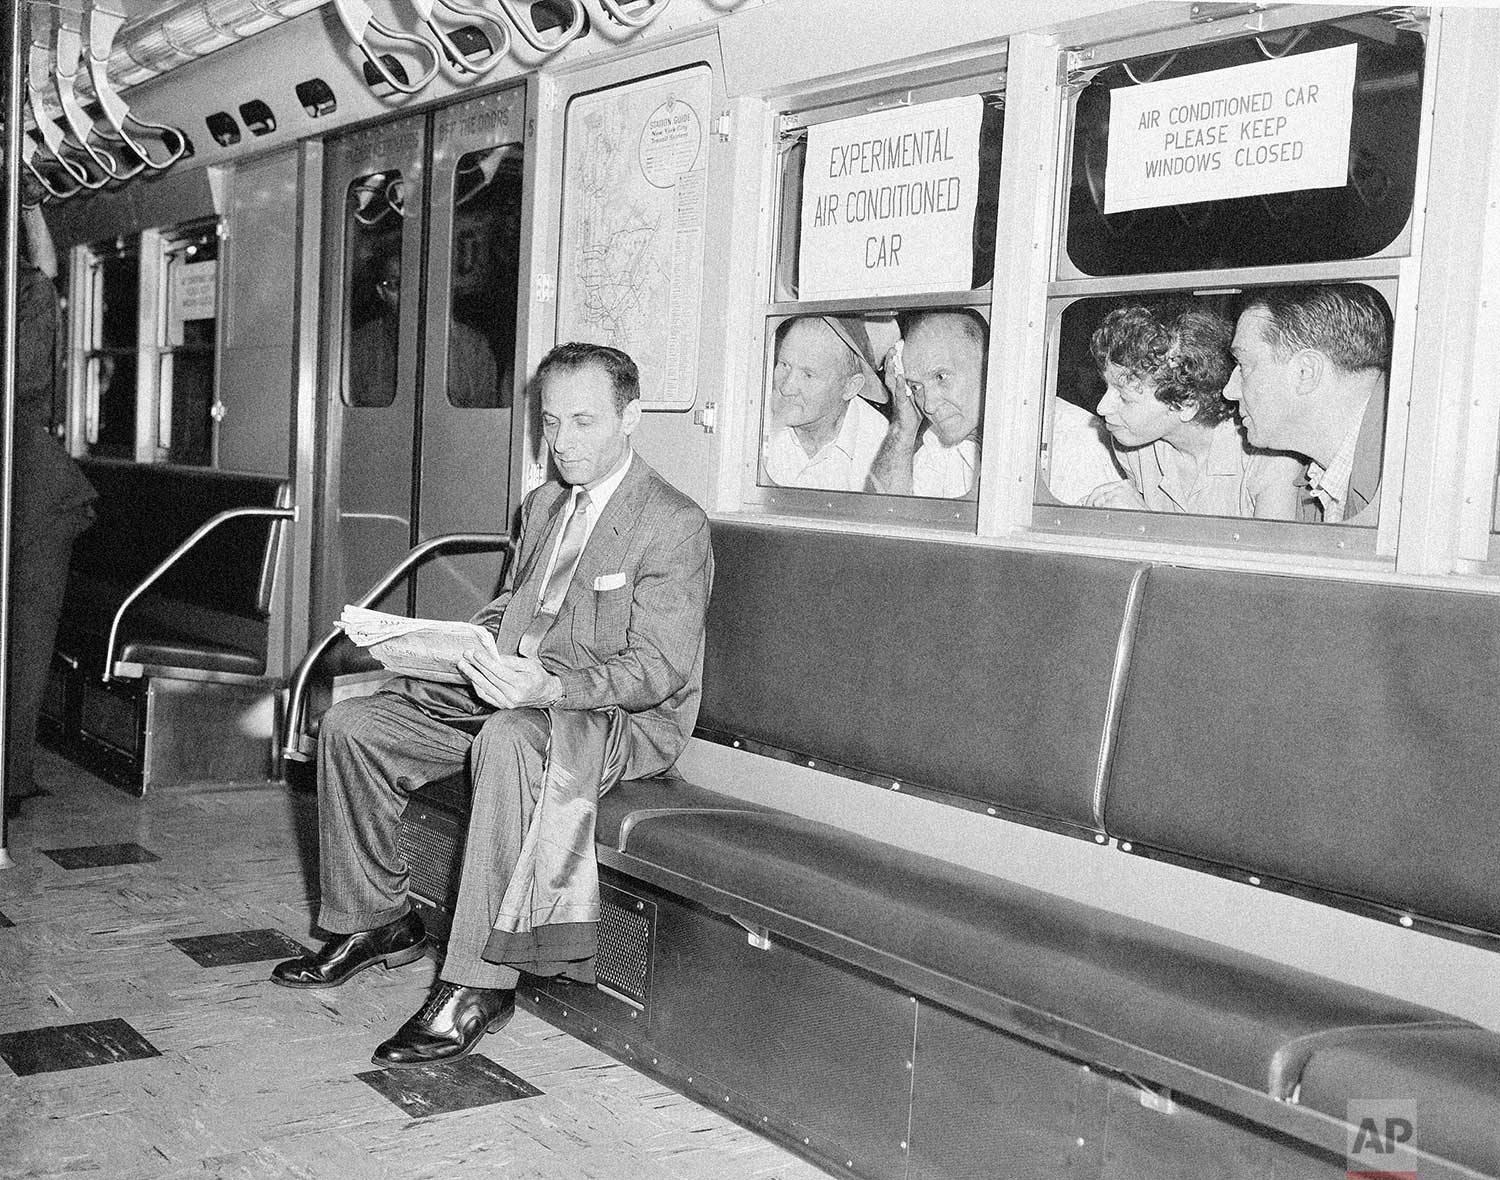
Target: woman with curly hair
1175 436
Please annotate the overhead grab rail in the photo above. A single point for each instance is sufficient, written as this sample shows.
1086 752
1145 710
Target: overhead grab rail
520 16
39 71
653 9
292 741
359 23
455 57
69 55
171 559
103 24
29 150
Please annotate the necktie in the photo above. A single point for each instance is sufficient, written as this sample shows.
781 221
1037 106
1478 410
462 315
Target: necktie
550 602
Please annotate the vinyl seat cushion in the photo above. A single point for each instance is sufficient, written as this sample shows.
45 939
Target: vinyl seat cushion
1451 1075
191 653
1195 1002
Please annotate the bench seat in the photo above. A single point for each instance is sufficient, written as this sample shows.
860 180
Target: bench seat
1456 1071
1077 978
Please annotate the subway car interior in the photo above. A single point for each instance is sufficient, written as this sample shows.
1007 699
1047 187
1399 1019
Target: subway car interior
1094 408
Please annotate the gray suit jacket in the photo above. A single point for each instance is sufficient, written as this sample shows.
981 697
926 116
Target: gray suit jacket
630 629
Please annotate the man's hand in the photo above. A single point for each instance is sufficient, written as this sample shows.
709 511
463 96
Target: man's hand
1117 494
905 417
509 682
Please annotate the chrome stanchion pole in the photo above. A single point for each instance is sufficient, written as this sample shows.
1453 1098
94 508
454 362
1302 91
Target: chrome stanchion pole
10 186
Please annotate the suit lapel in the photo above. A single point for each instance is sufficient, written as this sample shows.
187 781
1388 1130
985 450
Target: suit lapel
610 540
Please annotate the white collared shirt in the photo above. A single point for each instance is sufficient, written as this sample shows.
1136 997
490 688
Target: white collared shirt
945 473
1330 485
840 465
599 496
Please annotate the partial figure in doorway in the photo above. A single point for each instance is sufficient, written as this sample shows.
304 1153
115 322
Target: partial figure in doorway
472 377
53 504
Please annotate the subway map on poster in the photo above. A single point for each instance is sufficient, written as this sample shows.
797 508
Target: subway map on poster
634 201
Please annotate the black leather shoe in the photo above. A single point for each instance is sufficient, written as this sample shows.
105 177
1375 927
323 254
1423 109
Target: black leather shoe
395 944
448 1026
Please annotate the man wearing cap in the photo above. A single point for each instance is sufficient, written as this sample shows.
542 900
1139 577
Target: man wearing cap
825 432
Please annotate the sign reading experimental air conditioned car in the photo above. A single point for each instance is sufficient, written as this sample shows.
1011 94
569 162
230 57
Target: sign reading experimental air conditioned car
888 201
1268 127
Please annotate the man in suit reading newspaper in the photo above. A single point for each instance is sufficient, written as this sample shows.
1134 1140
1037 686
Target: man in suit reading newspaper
592 672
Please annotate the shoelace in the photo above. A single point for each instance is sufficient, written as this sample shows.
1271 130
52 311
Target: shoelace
437 1000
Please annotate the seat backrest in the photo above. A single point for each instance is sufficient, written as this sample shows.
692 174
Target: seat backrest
974 673
146 510
1338 737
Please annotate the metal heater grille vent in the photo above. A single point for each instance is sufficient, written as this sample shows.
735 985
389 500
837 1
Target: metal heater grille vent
624 961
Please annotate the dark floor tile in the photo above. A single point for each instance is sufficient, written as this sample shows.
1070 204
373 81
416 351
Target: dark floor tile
457 1085
73 1046
239 946
98 856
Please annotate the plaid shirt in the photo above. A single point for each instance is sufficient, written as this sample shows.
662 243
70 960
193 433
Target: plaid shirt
1330 485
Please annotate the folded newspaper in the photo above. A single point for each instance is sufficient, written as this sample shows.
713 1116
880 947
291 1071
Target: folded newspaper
425 648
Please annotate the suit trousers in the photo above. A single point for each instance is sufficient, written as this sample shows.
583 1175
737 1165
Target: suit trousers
39 577
372 753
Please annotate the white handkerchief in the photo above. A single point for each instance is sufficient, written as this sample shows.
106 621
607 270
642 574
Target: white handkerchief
609 581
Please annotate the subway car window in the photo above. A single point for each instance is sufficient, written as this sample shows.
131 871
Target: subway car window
877 337
1267 404
486 263
876 401
882 174
190 313
374 224
1214 127
113 333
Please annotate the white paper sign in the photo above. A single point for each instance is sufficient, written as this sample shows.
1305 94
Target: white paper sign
194 294
888 201
1268 127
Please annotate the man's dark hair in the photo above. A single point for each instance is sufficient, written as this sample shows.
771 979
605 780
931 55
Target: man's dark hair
578 355
1348 323
1181 349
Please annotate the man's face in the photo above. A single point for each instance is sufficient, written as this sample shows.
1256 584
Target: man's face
587 436
812 378
945 368
1264 385
1133 413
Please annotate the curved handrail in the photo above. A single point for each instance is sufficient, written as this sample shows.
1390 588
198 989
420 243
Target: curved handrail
533 36
291 744
171 559
455 57
634 22
103 24
358 22
69 55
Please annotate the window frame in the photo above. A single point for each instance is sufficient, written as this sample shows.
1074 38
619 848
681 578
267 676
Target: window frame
171 241
984 74
1389 271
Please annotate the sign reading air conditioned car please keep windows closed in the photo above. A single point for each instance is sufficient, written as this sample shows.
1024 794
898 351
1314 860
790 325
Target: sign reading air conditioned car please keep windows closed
888 201
1268 127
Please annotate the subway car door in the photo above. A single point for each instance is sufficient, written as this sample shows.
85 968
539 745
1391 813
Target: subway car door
470 375
373 220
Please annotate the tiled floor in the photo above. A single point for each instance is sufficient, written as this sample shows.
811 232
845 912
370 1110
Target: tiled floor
121 956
